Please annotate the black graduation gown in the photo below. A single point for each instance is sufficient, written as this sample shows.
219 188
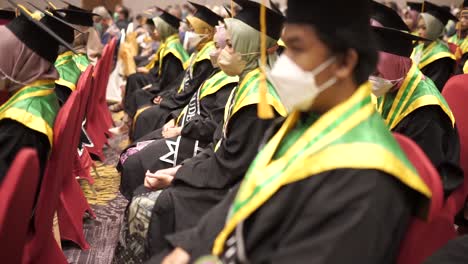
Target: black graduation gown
171 68
62 93
454 252
439 71
461 65
200 130
198 240
158 115
204 180
13 137
340 216
432 130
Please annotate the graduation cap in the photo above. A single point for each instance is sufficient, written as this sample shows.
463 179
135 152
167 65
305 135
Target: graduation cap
438 12
74 15
168 18
7 14
36 34
348 16
465 4
387 16
205 14
395 41
55 21
250 15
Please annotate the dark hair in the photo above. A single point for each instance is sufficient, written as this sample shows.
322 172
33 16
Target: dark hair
342 40
124 12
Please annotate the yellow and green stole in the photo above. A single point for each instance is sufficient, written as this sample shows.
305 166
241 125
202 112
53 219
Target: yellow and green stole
416 91
191 64
81 60
209 87
34 106
435 51
70 66
248 93
350 136
172 46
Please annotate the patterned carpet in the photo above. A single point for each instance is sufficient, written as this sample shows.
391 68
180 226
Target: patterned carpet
108 205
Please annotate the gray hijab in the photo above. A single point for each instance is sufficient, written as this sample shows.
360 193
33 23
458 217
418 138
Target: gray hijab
246 39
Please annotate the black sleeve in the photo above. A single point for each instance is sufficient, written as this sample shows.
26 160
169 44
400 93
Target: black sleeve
63 93
15 136
439 71
232 159
454 252
203 126
461 65
171 68
335 217
176 100
432 130
198 241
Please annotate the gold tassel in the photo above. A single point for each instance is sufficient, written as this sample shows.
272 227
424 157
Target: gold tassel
52 5
232 9
264 109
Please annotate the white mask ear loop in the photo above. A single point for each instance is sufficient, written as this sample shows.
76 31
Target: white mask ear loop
323 66
320 69
11 78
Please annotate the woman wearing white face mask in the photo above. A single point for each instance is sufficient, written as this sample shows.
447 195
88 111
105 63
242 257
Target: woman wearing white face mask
433 57
194 187
27 74
197 121
198 68
412 105
193 131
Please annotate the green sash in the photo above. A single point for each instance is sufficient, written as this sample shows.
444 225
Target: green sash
455 40
248 93
464 46
460 42
81 61
415 92
350 136
196 57
435 51
68 70
172 46
209 87
34 106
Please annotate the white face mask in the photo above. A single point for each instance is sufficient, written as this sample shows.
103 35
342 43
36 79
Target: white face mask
193 39
214 58
231 64
381 86
297 88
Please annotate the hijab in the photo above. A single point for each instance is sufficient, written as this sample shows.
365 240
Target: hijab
19 65
201 27
164 29
246 40
434 28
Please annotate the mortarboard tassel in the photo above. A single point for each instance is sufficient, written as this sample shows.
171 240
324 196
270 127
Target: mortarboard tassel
264 109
